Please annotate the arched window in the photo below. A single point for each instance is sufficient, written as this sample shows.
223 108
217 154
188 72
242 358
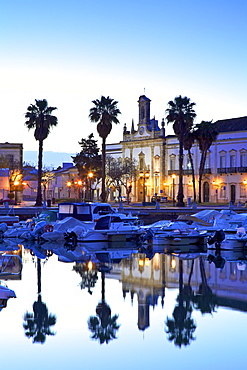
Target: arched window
172 162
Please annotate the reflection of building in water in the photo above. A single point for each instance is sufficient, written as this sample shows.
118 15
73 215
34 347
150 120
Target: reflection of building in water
228 283
145 278
148 279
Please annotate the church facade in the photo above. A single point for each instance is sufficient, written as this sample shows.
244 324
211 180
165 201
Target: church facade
156 156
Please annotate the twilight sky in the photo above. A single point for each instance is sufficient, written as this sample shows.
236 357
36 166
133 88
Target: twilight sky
71 52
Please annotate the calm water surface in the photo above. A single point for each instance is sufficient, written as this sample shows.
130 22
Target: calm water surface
165 311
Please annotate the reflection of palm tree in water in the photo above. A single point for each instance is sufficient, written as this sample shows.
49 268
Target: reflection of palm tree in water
38 323
103 327
181 327
204 300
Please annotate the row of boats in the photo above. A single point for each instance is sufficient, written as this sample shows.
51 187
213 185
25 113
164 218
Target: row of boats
99 222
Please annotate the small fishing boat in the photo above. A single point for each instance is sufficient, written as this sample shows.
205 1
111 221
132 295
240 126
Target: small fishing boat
173 233
107 228
228 239
5 294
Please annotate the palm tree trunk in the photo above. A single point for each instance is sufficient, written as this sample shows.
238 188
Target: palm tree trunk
103 192
39 275
201 168
39 190
103 286
180 202
193 175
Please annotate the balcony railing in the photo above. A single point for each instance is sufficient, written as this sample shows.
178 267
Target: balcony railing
231 169
207 171
188 172
222 170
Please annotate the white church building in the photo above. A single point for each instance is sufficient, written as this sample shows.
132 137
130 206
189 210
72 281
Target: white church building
225 174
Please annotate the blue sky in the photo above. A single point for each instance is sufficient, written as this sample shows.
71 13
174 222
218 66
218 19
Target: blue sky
71 52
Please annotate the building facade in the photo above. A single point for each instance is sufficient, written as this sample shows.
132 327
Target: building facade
11 157
156 155
146 145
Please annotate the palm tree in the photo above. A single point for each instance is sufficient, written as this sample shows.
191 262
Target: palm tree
206 133
181 327
37 324
205 300
181 114
189 139
103 326
104 113
39 116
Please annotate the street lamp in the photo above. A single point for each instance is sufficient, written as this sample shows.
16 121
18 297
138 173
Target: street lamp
69 184
16 184
79 183
144 176
173 189
216 190
90 176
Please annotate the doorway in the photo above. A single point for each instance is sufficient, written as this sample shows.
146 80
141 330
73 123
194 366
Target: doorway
205 191
233 193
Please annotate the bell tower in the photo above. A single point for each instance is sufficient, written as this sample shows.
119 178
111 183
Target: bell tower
144 110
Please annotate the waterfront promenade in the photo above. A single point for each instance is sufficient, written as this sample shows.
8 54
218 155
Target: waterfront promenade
147 213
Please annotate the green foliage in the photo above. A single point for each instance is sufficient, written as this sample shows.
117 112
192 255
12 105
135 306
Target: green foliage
120 172
181 113
205 133
89 159
37 324
104 113
40 118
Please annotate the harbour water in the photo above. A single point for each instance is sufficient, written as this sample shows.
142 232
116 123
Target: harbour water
162 310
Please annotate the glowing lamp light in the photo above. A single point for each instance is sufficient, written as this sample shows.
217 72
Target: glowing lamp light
173 263
141 262
147 262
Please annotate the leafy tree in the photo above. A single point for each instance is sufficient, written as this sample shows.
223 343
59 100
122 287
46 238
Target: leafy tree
206 133
47 176
15 173
88 160
120 172
39 117
181 114
104 113
89 277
